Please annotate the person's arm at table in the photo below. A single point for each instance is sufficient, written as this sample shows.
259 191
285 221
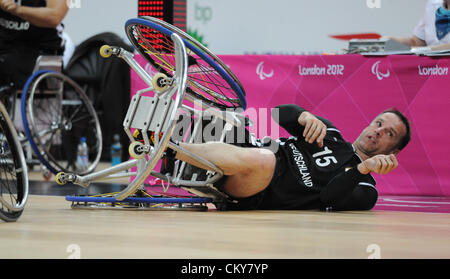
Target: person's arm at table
412 41
415 42
440 47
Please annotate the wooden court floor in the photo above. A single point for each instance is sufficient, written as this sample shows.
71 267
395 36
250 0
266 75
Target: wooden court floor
49 228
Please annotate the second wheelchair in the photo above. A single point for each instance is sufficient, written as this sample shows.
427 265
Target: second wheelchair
51 114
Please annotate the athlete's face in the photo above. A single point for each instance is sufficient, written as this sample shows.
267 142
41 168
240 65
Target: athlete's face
382 135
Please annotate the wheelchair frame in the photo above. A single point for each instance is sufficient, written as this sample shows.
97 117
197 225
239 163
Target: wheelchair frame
159 114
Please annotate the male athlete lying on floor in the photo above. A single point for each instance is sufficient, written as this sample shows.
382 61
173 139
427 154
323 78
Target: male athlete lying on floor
314 169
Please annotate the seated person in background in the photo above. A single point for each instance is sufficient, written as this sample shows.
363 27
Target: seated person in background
28 28
433 30
314 169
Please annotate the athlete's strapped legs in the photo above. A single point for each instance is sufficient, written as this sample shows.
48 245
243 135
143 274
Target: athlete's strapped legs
249 170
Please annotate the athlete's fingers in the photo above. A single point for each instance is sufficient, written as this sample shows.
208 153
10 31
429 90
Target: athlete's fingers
322 135
316 133
378 164
381 164
307 127
310 131
320 126
394 160
386 164
391 164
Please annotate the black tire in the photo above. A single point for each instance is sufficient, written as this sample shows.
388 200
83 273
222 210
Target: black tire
13 171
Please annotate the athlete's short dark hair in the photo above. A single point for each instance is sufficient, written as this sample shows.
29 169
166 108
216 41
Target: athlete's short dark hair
407 137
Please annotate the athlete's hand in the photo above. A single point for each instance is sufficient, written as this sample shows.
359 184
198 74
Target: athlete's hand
381 164
315 129
8 6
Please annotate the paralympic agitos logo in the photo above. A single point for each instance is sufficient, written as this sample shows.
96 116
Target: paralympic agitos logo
376 71
260 71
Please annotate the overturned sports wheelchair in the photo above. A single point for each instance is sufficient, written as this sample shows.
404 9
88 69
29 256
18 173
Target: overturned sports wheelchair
189 89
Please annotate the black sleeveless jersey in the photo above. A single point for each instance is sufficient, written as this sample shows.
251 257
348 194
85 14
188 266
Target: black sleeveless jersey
17 31
314 177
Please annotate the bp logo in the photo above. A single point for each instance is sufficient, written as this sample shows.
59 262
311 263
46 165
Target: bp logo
203 13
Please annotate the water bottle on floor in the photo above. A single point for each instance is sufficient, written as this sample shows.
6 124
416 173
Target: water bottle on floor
82 155
116 151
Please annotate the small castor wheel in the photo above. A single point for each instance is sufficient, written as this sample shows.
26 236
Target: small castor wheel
60 178
135 150
105 51
160 82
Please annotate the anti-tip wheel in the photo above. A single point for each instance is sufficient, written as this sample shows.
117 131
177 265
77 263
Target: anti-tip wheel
160 82
134 151
105 51
59 179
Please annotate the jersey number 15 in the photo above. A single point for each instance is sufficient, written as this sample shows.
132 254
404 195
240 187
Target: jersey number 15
324 161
